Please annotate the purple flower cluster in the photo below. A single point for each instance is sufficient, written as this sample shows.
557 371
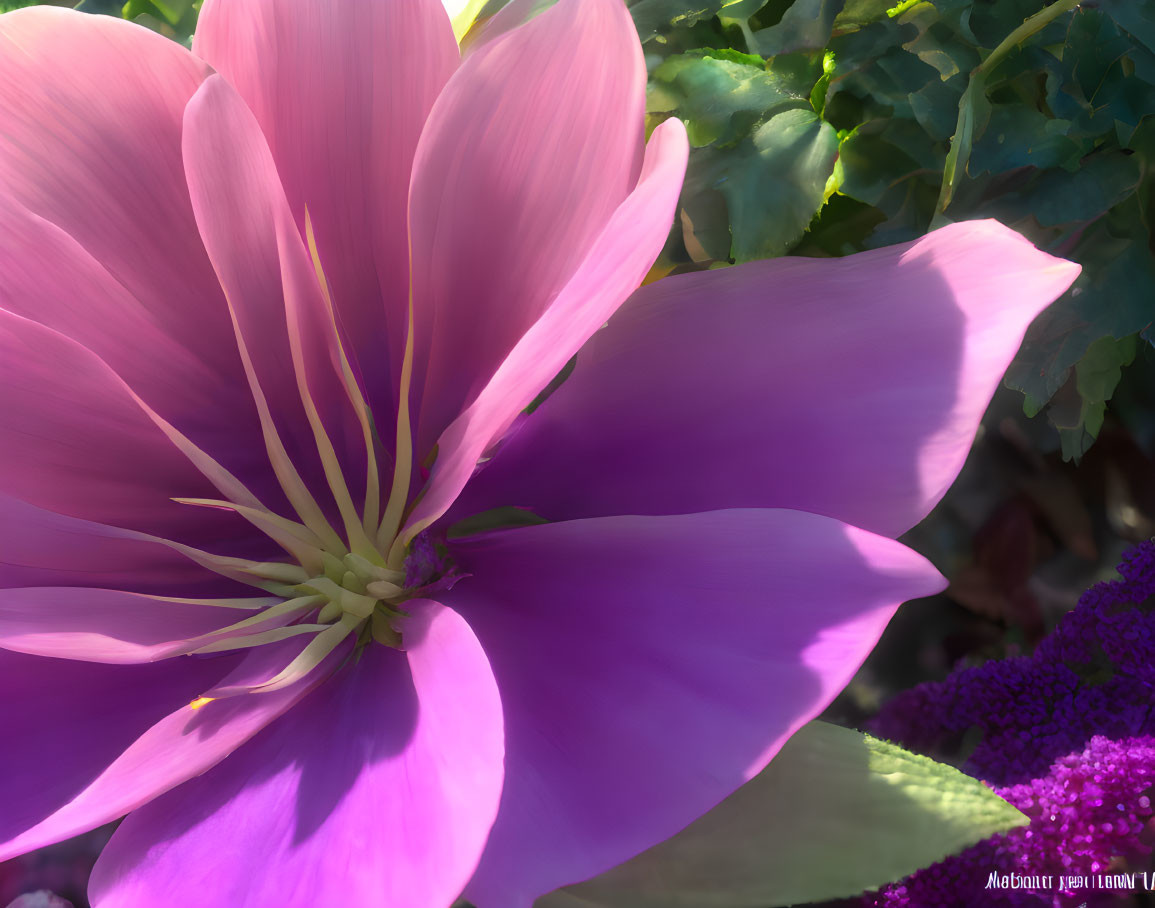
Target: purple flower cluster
1067 735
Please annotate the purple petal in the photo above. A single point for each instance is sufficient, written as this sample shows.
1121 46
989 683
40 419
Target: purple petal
97 625
379 789
50 278
97 237
75 440
267 276
532 146
40 548
64 722
616 265
849 387
172 743
342 90
648 666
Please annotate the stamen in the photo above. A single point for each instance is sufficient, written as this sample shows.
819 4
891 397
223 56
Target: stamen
275 570
290 480
383 632
246 604
352 388
270 636
350 602
403 462
354 529
312 655
226 483
295 538
233 568
200 701
351 581
364 569
383 589
277 615
330 613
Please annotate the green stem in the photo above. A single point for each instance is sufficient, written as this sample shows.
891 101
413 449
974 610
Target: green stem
960 145
1034 24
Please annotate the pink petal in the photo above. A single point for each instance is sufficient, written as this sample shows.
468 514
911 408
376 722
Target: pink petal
379 789
648 666
50 278
266 273
64 722
615 266
40 548
96 625
175 744
849 387
75 441
532 146
341 91
90 164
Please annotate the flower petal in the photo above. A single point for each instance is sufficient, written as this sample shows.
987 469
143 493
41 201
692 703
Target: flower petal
265 271
849 387
96 207
73 439
96 625
342 90
40 548
615 266
64 722
173 743
379 789
648 666
534 143
48 277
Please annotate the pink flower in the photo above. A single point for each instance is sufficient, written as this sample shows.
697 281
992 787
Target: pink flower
260 325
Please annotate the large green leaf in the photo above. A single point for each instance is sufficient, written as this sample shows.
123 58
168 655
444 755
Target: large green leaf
1079 417
1111 299
836 813
806 25
775 183
718 96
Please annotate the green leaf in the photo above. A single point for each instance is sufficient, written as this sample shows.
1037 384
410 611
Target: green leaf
858 13
719 96
775 183
656 17
1017 136
1102 182
836 813
1096 377
1134 16
806 25
1110 299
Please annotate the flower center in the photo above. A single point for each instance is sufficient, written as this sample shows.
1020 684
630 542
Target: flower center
339 582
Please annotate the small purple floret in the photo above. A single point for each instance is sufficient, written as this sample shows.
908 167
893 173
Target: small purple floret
1068 737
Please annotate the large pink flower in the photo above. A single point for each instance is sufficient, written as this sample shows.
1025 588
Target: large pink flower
260 324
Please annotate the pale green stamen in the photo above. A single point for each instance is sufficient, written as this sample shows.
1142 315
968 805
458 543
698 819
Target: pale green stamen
293 486
356 398
403 463
338 586
354 528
